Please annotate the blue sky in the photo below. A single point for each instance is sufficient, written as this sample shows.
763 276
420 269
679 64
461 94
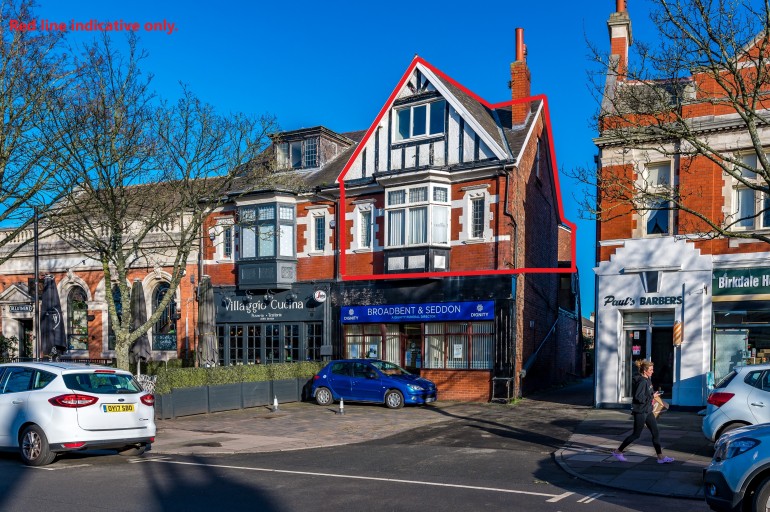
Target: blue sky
335 63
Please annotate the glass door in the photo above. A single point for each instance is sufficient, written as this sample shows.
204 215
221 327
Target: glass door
412 347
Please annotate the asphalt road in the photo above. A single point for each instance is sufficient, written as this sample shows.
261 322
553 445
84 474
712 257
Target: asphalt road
498 463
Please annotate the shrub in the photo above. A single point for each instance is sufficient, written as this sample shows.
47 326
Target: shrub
174 378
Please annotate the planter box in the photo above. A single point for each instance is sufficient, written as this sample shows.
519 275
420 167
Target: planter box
287 390
163 407
188 401
225 397
256 394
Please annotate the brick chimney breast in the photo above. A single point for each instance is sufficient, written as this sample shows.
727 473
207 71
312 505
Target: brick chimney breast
619 26
520 81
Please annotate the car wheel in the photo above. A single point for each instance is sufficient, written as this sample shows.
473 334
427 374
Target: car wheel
133 451
394 399
34 447
323 396
761 498
731 427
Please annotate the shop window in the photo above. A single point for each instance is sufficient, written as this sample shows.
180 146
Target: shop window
77 313
272 343
366 340
459 345
291 343
164 330
314 341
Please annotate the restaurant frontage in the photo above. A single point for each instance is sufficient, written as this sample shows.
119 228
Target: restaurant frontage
266 326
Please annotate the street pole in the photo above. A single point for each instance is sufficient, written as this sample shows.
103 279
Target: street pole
36 282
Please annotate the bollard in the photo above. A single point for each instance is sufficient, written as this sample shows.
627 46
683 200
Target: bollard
342 407
275 403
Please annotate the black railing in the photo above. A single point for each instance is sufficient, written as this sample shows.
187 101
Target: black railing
76 360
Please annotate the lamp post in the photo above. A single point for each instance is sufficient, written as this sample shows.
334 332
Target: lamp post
36 281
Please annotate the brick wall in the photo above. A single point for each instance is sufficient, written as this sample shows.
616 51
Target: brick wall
461 386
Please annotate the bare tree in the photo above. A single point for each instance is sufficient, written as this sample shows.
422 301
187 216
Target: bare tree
141 175
32 71
710 58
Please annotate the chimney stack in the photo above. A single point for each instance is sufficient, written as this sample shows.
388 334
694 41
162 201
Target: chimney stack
619 26
520 81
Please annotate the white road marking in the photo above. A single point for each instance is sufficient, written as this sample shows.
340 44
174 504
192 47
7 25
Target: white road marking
553 497
590 498
56 468
148 459
559 497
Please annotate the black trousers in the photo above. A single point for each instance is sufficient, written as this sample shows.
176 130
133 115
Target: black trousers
640 420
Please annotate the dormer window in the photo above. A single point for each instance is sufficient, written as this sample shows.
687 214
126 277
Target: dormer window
420 120
298 154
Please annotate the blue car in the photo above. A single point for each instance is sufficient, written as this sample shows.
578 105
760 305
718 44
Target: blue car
371 380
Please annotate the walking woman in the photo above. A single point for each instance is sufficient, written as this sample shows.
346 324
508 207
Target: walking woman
641 409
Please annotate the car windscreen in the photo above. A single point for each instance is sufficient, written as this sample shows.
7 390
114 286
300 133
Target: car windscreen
389 368
105 383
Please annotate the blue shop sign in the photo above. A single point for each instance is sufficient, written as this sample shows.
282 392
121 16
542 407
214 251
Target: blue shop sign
430 312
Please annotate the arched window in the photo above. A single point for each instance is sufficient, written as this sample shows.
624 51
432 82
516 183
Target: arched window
164 330
77 321
119 308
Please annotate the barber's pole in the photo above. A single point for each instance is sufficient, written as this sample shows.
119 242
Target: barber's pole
677 333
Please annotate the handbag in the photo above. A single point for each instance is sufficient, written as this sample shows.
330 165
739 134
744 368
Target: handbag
659 406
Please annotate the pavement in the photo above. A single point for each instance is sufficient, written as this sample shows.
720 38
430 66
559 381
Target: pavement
585 455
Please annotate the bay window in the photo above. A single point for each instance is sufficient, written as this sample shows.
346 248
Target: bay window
267 230
409 212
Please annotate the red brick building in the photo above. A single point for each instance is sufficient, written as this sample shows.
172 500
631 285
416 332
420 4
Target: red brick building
449 219
669 287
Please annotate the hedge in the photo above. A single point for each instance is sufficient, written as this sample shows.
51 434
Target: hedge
174 378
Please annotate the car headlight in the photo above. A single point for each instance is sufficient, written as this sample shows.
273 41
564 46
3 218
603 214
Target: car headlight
734 447
415 387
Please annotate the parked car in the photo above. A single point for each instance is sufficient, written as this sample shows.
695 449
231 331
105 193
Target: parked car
371 380
50 408
738 477
741 398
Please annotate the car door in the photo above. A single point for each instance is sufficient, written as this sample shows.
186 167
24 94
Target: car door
339 379
366 383
15 386
758 399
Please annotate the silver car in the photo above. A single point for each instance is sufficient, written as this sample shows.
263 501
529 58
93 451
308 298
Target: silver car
741 398
738 477
50 408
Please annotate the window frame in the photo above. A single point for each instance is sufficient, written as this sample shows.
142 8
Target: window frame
250 221
298 153
759 216
409 207
428 120
77 319
650 213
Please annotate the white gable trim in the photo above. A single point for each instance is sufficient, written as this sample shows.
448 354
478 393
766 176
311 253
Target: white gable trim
529 133
469 119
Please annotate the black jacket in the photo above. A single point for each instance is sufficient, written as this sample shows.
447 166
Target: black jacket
643 395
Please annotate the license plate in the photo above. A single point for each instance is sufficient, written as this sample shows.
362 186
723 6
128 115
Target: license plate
431 399
118 407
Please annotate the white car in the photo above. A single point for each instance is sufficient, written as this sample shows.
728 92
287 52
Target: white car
741 398
49 408
738 477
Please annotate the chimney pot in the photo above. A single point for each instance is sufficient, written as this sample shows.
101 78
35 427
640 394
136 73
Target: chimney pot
520 48
620 5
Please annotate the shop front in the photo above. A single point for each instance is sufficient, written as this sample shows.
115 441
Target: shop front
266 326
456 332
741 313
653 303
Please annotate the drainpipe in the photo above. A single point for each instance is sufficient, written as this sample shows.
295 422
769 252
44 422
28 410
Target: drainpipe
337 227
